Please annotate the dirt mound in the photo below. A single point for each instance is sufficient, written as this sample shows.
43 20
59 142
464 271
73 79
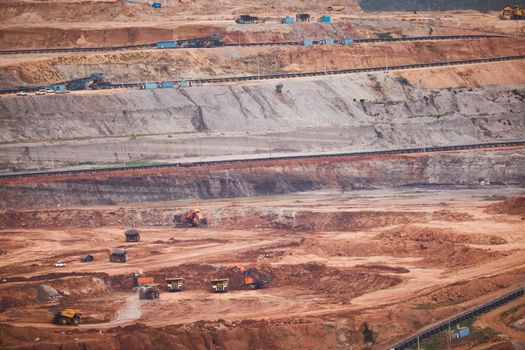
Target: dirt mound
62 290
330 280
512 206
430 234
464 291
308 221
434 253
449 215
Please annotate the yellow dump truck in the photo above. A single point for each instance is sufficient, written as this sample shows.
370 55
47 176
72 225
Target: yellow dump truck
66 317
174 284
220 285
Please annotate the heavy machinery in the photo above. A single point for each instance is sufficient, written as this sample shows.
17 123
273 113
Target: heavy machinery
212 40
149 291
302 17
84 83
139 279
174 284
220 285
252 278
193 218
117 255
515 13
66 317
245 19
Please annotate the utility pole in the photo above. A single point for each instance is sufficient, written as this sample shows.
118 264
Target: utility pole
258 67
386 60
449 335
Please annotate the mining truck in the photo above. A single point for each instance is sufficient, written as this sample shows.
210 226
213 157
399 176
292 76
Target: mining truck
174 284
193 218
66 317
149 291
220 285
117 255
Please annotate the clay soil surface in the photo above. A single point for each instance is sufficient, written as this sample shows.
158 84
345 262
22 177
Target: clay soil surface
381 261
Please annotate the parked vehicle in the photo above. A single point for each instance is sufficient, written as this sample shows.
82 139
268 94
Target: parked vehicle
21 93
60 264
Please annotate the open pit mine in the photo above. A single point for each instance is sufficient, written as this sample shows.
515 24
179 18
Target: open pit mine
238 175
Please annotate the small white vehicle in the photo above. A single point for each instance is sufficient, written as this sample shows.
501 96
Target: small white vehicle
62 92
21 93
50 91
40 92
60 264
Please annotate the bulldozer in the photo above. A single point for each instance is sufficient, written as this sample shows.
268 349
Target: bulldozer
515 13
149 291
66 317
193 218
220 285
174 284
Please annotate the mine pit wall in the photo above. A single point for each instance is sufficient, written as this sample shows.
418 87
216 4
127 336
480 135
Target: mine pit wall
472 168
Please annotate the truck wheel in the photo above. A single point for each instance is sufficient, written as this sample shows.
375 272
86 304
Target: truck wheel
63 321
75 321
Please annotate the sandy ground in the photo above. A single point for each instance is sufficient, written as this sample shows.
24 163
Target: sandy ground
464 244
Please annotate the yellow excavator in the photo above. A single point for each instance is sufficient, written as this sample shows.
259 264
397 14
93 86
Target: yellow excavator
515 13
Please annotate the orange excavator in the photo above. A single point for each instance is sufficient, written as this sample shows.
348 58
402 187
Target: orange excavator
193 218
252 278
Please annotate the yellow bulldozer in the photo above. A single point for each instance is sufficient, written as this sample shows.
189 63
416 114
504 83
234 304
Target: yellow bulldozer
515 13
66 317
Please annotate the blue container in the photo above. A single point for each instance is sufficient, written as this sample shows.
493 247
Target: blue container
328 41
156 5
167 85
347 41
288 20
308 42
166 44
462 332
150 86
325 19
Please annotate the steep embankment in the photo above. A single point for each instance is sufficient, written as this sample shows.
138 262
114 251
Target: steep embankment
337 114
462 168
158 65
435 5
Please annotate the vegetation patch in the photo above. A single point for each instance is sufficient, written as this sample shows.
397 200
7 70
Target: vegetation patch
431 306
